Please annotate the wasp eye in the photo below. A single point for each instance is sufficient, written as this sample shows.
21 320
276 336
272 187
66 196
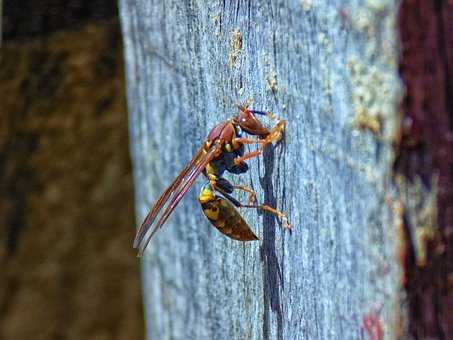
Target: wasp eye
243 120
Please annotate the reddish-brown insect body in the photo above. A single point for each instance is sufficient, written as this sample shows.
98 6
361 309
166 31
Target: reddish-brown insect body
249 123
222 132
222 151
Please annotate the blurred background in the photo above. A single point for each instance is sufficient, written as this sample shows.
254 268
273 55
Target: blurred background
66 199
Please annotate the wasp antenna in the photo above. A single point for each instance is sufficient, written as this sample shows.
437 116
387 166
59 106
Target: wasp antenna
259 112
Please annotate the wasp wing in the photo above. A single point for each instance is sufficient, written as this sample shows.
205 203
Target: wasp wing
141 232
173 195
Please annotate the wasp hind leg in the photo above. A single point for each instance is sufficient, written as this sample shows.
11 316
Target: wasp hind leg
249 191
271 210
253 204
225 187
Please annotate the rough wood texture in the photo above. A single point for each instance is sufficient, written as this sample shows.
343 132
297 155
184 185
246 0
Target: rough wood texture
330 70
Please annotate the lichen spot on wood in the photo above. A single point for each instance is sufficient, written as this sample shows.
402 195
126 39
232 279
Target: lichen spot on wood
370 88
235 47
306 5
271 81
363 120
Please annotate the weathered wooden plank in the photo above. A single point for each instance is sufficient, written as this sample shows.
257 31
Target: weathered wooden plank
329 69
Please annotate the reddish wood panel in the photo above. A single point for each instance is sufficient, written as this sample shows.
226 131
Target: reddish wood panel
426 151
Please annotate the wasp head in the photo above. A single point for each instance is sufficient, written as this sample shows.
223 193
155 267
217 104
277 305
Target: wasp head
249 123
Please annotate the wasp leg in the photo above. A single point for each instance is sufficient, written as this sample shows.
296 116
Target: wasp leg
264 207
274 136
252 194
271 210
224 184
248 155
226 188
277 132
239 168
246 140
268 114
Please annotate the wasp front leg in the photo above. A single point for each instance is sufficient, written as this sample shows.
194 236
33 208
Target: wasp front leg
274 136
277 132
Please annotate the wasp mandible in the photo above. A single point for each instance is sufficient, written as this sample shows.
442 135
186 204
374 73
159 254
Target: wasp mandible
222 151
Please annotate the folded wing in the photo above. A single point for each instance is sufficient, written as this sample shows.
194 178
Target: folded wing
170 198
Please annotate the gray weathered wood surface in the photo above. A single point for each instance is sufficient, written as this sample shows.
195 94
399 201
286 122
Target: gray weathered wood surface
329 69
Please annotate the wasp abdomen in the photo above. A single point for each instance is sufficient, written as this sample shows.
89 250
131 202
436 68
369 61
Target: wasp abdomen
224 216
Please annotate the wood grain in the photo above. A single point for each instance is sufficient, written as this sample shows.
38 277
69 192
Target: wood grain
329 69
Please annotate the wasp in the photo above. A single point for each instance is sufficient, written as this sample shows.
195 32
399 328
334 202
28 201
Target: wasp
223 150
